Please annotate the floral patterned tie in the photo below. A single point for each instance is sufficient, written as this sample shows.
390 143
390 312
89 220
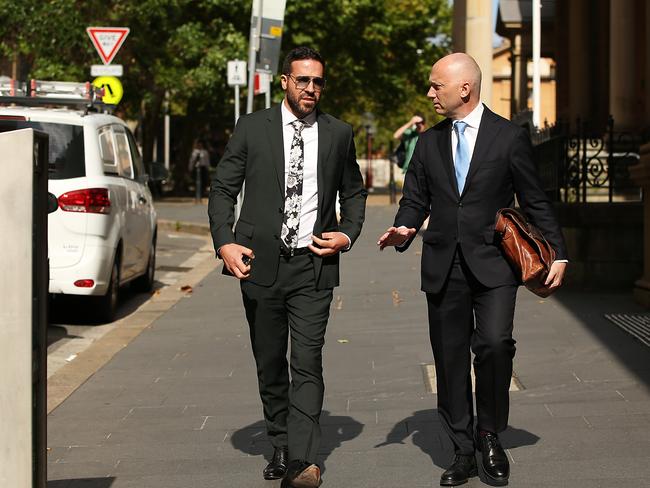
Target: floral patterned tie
293 199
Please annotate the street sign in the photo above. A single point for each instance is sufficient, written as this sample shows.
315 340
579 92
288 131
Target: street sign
113 90
237 73
262 83
270 35
106 70
107 40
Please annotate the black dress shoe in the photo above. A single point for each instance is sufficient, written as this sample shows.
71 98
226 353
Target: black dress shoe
495 462
277 468
301 474
463 468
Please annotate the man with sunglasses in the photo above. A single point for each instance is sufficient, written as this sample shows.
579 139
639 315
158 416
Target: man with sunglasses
285 250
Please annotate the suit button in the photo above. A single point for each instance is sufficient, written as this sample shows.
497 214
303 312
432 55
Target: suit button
280 210
460 204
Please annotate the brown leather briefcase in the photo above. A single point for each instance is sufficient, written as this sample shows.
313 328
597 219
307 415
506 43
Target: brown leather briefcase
526 250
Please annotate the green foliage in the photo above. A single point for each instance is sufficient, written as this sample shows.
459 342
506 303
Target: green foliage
378 53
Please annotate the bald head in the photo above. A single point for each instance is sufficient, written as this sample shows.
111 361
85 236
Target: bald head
455 85
462 67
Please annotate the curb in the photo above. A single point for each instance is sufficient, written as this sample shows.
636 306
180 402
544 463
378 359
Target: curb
187 227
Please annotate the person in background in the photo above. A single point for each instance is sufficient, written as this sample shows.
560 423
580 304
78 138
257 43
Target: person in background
408 136
199 166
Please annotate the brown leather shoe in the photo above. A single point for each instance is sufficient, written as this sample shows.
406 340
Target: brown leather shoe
301 474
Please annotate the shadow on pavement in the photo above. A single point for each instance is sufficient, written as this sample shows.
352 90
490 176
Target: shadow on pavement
590 309
335 430
82 483
80 310
428 434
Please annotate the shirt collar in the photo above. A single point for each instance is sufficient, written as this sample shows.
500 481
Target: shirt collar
473 119
288 116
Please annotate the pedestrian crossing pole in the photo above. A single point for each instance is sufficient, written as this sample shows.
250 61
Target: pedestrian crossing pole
253 48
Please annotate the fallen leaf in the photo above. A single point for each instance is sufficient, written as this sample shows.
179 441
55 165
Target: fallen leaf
342 341
186 288
338 305
396 298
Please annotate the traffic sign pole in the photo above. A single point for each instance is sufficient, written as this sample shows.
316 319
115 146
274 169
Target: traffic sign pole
236 78
236 103
253 47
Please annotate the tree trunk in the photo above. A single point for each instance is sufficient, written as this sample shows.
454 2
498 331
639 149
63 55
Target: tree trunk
150 125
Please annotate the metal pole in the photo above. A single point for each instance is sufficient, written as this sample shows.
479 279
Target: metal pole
167 130
391 178
268 91
199 188
253 48
236 103
368 158
537 14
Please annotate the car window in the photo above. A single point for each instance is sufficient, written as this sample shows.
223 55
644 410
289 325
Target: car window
65 147
123 152
138 166
107 150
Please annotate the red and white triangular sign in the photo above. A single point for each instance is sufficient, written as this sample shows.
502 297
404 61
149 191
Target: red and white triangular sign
107 40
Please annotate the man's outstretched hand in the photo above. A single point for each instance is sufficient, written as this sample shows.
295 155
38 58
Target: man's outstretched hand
395 236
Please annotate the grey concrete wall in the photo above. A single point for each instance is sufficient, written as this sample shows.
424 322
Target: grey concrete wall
16 189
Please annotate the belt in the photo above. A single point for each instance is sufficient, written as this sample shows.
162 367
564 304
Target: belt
298 251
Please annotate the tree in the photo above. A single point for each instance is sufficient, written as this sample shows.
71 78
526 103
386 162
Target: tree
378 55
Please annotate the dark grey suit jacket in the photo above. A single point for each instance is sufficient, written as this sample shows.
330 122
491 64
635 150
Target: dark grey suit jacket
501 167
255 154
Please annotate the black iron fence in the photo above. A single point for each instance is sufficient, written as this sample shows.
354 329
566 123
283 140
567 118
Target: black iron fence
577 165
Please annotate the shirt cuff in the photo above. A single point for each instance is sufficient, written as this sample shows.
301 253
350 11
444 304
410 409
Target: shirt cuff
347 248
403 245
561 261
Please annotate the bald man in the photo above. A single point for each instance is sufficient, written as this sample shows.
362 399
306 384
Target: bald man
463 170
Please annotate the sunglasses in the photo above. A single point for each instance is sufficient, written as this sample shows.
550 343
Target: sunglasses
302 82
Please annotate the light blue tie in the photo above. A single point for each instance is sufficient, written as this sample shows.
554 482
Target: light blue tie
462 155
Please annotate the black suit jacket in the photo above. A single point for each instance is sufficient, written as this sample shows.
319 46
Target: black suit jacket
255 153
501 167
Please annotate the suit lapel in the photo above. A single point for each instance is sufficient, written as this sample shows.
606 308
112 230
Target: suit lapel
276 141
487 133
444 146
324 148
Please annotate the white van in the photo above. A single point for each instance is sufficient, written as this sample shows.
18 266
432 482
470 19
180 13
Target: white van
103 233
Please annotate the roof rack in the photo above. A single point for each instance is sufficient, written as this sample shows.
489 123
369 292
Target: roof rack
39 93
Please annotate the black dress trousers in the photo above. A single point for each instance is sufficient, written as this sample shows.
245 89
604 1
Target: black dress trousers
464 316
292 308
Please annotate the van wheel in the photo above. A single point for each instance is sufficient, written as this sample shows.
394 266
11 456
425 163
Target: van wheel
145 282
107 306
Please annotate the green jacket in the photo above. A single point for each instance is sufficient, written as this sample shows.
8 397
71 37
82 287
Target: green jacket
255 154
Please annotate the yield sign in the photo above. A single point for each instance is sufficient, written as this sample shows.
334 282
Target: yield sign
107 40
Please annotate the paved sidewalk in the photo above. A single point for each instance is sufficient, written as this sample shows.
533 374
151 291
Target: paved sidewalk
178 407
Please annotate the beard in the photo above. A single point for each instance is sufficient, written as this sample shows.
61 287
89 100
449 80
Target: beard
298 109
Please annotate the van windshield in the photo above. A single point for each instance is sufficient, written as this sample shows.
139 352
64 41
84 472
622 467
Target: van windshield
66 146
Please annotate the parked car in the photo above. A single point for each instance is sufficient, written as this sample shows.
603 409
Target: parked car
103 234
